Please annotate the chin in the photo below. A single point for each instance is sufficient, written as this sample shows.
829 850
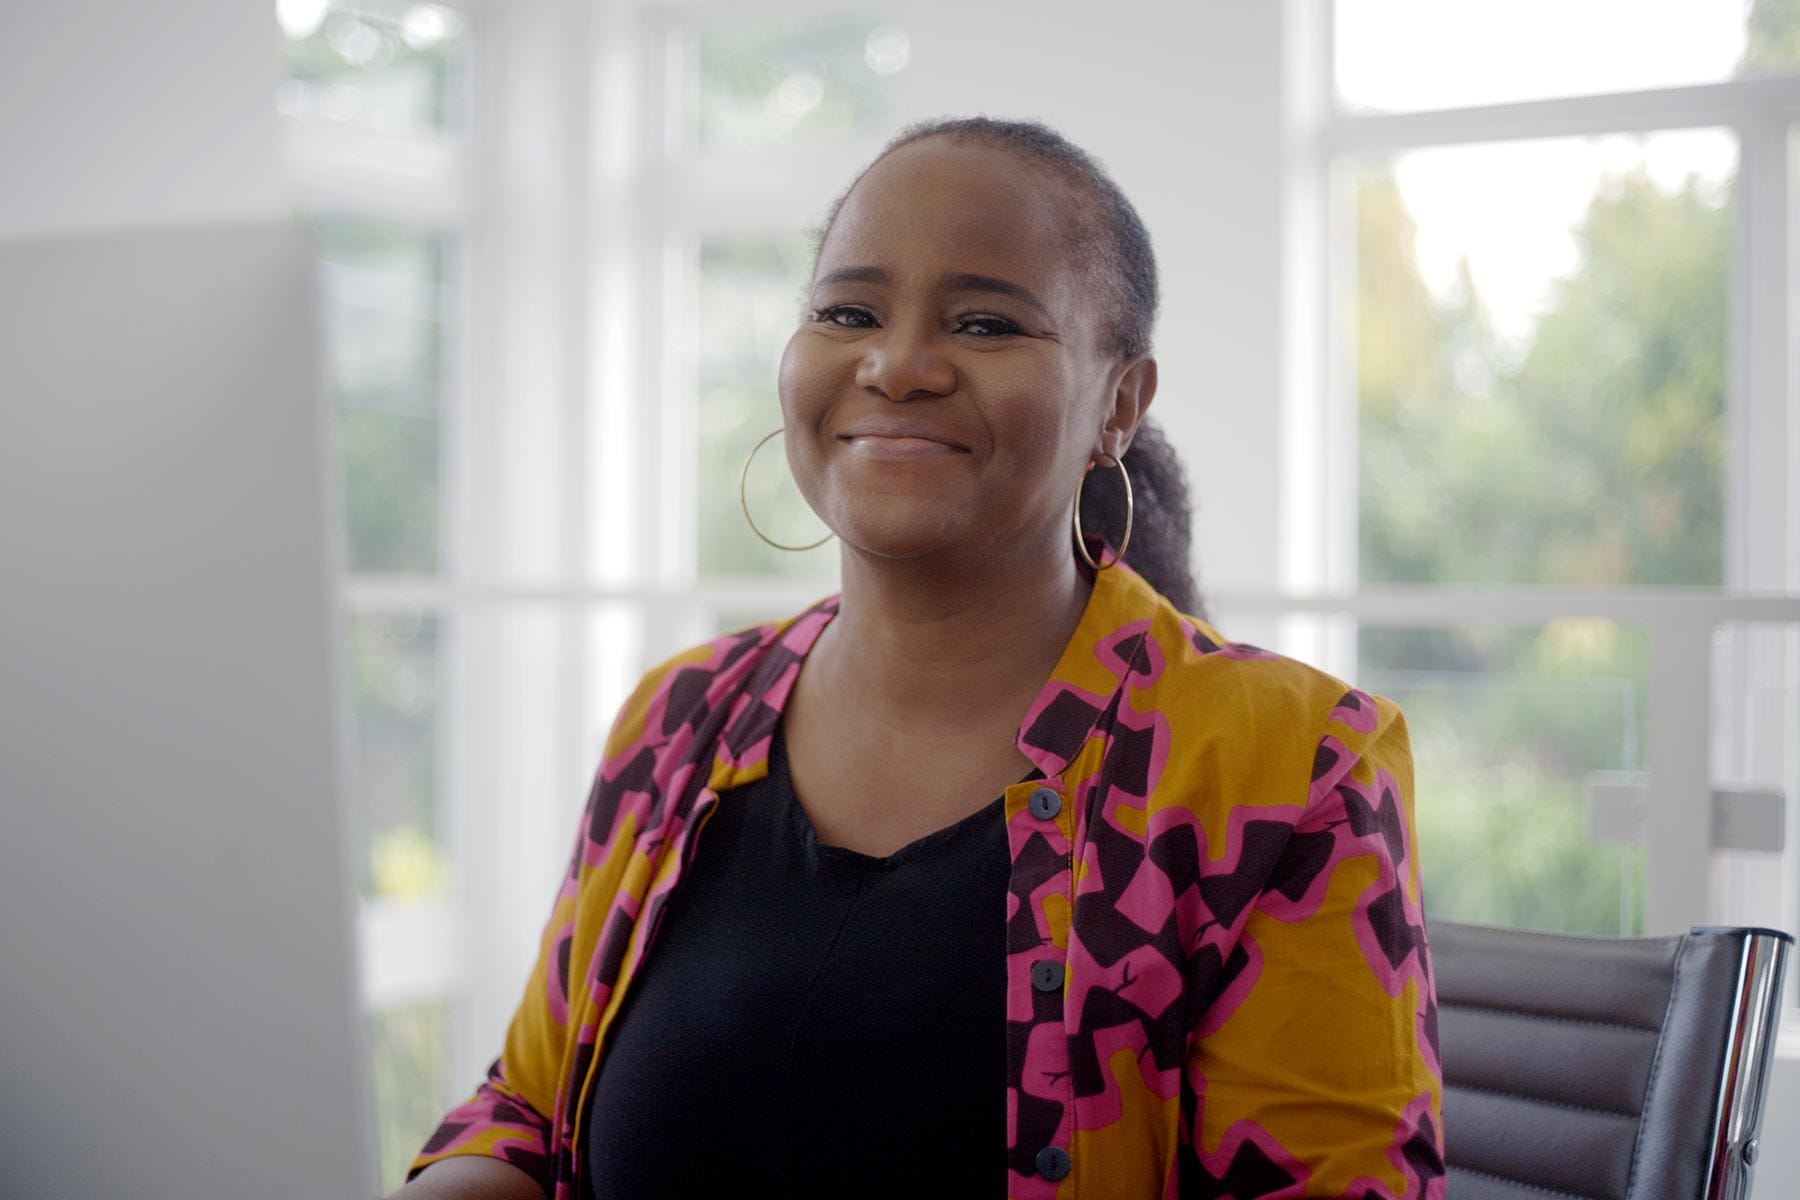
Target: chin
894 529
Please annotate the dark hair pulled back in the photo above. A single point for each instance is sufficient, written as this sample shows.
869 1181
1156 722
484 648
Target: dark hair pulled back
1108 239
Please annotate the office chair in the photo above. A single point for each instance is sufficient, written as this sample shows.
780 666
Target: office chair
1604 1068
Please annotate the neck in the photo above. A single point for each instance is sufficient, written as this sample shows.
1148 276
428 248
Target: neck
939 645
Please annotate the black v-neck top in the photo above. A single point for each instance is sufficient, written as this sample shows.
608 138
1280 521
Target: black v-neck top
811 1017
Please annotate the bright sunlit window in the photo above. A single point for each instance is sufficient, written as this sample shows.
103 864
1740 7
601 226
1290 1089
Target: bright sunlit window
1559 272
1483 53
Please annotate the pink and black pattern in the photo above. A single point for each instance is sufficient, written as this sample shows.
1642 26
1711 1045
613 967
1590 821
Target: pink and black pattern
1213 803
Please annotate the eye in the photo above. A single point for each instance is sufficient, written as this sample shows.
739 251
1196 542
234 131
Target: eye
845 316
986 326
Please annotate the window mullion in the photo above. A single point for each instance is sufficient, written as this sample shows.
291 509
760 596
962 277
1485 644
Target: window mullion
1757 662
1757 417
413 180
1697 107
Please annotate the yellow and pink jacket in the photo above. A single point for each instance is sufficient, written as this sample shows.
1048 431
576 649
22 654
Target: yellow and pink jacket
1215 880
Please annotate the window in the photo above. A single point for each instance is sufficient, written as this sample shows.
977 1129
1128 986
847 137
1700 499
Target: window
1508 723
1487 54
522 537
751 288
374 105
392 68
1541 354
389 303
810 96
1564 380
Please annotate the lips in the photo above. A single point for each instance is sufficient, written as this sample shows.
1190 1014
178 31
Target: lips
913 436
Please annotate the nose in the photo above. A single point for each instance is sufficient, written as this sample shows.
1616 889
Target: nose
905 362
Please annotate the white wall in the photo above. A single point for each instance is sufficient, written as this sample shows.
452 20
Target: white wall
118 115
177 1013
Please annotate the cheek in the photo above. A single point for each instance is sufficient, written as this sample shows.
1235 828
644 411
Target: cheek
803 381
787 377
1054 421
805 389
1066 440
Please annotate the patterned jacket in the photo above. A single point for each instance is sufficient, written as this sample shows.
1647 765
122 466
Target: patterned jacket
1215 882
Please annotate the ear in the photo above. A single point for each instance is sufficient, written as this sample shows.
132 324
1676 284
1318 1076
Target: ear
1133 387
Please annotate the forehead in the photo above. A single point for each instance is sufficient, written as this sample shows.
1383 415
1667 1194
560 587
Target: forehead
957 206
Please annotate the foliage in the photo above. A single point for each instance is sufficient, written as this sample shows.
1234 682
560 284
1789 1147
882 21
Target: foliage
1593 454
394 666
1599 457
1773 42
1499 757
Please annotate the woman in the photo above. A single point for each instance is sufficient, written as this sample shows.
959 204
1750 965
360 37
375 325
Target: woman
1024 863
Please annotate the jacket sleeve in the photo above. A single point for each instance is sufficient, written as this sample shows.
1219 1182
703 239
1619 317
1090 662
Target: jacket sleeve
1317 1069
512 1115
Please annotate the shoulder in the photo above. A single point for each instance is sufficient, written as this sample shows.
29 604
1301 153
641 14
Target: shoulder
1245 682
1262 726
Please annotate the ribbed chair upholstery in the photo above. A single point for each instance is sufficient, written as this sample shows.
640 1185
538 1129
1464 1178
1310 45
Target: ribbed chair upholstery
1604 1068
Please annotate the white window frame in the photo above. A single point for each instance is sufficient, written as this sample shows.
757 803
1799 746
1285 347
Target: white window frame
1762 565
415 951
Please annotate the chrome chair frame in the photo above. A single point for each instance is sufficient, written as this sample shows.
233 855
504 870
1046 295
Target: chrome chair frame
1749 1049
1605 1068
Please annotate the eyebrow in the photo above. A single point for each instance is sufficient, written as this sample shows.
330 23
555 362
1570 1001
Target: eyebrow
960 282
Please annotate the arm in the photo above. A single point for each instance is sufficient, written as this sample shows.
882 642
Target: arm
510 1118
511 1121
471 1179
1322 1072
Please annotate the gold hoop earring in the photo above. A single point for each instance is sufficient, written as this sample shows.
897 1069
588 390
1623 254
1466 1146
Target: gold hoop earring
1130 510
744 502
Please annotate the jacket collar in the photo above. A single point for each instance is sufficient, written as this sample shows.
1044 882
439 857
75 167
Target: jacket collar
1106 649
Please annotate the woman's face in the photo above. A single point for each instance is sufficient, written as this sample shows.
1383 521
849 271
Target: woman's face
949 383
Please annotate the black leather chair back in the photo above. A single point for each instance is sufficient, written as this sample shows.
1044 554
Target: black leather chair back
1604 1068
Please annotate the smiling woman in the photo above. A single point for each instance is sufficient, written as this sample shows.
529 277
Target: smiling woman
947 317
996 861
